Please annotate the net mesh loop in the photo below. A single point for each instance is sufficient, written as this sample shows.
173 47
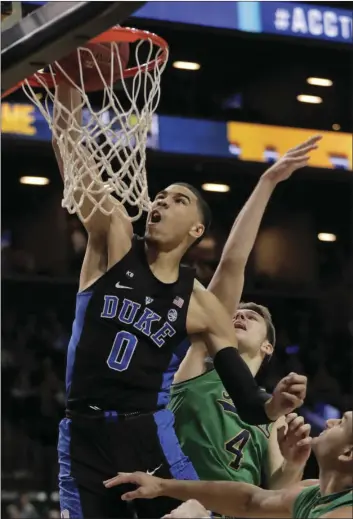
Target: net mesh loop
104 155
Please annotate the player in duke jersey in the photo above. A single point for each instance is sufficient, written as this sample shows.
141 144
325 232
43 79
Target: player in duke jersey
135 307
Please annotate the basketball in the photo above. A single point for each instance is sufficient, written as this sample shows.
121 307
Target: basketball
102 53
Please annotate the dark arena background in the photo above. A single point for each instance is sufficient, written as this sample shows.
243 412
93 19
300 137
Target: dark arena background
243 78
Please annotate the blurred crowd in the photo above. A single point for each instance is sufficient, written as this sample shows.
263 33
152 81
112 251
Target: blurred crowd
312 338
17 260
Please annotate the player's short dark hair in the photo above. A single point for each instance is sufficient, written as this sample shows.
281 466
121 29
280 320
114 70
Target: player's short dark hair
203 207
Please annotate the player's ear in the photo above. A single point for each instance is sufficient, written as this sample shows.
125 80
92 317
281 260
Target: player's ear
347 458
267 348
197 230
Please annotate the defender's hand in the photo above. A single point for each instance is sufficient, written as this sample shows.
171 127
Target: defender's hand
191 509
288 395
294 440
149 487
294 159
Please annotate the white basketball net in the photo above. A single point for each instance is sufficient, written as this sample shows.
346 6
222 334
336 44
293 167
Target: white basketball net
111 138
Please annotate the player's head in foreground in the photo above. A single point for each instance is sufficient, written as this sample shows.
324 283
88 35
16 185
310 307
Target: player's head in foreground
333 448
255 333
179 218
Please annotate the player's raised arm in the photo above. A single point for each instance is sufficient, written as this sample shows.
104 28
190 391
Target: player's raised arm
228 280
208 317
109 234
223 497
68 123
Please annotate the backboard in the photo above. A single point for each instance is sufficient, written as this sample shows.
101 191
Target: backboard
52 31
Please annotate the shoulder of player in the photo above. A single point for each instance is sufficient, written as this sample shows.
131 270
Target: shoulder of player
308 491
273 503
290 497
342 512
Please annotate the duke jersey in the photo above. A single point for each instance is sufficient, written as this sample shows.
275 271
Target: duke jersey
128 338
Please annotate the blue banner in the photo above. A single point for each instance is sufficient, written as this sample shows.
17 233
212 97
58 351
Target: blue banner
167 134
193 136
307 21
222 15
283 18
244 141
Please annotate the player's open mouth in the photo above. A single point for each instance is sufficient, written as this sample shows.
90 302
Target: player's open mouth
239 325
155 217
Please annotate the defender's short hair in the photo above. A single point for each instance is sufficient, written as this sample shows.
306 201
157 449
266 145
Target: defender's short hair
203 207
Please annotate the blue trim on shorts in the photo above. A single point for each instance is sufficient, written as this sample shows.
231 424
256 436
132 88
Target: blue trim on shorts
179 465
168 376
70 500
82 300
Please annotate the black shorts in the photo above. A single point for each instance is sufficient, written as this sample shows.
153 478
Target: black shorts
92 450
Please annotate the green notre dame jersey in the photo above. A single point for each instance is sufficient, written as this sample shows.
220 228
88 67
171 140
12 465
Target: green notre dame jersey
311 505
220 445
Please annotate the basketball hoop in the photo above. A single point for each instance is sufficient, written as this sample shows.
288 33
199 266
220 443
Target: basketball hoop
115 135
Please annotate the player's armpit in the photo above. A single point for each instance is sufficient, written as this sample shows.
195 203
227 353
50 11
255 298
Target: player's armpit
194 363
